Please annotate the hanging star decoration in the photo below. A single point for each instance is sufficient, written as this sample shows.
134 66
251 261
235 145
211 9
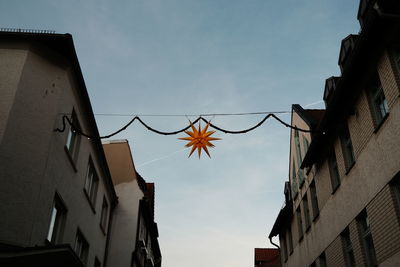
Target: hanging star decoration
199 139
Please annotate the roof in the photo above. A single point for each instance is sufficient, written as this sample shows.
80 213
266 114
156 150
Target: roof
264 256
377 33
310 116
63 45
316 114
284 218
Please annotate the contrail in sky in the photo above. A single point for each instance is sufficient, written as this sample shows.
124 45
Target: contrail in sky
163 157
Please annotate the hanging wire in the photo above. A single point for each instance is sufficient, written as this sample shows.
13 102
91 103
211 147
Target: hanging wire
191 115
66 120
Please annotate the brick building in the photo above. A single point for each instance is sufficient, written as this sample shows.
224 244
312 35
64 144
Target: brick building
342 203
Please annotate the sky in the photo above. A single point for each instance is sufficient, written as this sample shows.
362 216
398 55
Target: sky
192 57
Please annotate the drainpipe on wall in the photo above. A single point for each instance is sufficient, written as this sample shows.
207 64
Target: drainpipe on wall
279 249
270 240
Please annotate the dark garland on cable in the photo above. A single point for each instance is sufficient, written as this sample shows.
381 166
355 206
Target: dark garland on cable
77 129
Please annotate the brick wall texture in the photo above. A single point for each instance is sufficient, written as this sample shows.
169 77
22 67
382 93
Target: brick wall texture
334 253
384 224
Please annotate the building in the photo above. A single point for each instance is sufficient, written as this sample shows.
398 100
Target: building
342 200
134 233
57 194
266 257
55 187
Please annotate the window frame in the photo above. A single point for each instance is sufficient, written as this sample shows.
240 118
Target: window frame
322 260
81 247
90 187
379 106
306 210
104 217
348 250
333 171
314 199
367 242
395 188
347 148
294 185
73 140
299 223
57 221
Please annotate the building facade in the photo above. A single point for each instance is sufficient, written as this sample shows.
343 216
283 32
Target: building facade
342 203
55 186
57 194
134 234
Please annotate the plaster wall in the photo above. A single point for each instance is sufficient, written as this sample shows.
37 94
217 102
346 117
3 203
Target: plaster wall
35 165
125 224
11 64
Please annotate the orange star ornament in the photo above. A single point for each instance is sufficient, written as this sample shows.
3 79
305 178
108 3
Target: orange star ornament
199 139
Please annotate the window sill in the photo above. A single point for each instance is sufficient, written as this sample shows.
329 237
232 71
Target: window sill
378 126
350 167
90 202
71 160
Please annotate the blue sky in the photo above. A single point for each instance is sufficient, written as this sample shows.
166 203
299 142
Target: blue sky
191 57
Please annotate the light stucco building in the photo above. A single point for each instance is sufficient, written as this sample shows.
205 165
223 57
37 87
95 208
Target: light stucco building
134 233
342 201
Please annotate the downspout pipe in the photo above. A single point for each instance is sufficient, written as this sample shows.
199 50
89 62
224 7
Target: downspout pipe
270 240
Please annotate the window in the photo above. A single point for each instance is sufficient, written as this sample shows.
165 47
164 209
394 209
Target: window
347 148
366 237
299 223
57 220
104 215
314 200
395 184
348 248
298 150
91 183
379 105
306 212
284 247
306 144
333 170
81 247
295 188
290 240
322 260
299 157
97 263
396 57
73 138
